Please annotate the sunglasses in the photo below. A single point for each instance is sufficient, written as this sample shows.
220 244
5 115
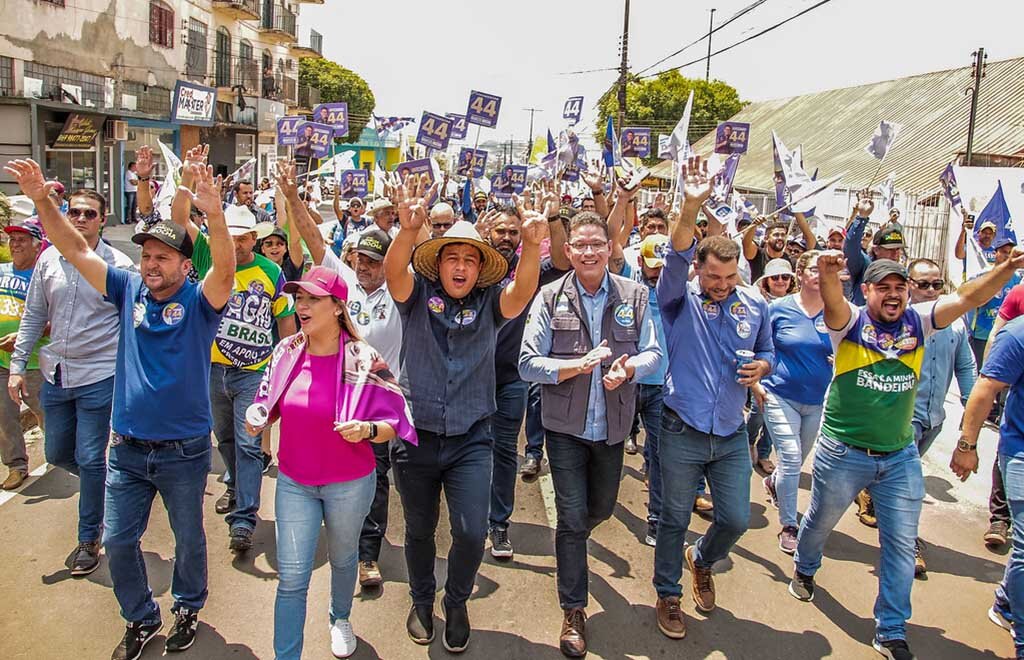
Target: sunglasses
90 214
924 284
780 278
441 225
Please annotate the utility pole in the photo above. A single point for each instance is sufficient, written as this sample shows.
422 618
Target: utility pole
978 73
711 28
529 146
623 68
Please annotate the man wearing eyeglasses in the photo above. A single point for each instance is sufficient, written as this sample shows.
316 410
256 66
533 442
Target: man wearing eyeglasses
441 219
946 353
77 365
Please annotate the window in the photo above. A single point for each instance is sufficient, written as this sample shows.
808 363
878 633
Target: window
248 73
195 52
161 24
6 76
223 54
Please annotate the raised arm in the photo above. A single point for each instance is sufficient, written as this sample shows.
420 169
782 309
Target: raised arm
551 205
336 202
978 291
220 280
59 230
517 295
697 186
595 182
412 196
805 229
852 250
182 202
298 213
295 254
143 172
837 309
960 249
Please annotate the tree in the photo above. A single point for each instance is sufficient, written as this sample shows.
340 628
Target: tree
336 83
659 103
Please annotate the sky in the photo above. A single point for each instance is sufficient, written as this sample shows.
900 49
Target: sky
428 55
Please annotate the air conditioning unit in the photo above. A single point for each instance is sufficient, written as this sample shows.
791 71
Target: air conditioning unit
117 130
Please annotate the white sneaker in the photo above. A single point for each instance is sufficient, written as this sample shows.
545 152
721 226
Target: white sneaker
343 640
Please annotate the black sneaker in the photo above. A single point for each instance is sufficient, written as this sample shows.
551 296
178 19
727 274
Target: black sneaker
225 503
183 632
241 540
802 586
420 624
268 460
530 468
86 559
652 534
894 649
456 628
136 636
501 547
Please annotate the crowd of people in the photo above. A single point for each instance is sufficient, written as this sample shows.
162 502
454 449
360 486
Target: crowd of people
413 338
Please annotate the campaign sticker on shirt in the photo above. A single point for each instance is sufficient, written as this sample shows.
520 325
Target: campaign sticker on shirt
465 317
867 334
711 309
138 314
624 315
906 343
173 313
743 329
354 307
562 304
738 311
819 325
362 318
380 312
435 304
886 341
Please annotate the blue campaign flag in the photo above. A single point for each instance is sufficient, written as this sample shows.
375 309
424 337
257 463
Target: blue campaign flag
551 142
948 181
608 149
997 214
467 201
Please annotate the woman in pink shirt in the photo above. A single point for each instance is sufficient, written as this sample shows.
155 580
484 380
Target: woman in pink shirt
334 396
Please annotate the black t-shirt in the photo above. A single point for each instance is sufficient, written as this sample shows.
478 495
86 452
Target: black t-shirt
510 337
758 263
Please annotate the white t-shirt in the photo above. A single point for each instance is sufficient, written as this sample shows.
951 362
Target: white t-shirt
131 180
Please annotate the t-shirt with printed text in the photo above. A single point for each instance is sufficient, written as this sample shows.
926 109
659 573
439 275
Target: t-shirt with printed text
13 290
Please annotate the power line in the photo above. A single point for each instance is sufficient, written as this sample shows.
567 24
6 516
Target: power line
743 41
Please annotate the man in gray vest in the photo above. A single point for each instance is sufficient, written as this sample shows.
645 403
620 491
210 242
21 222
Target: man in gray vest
588 339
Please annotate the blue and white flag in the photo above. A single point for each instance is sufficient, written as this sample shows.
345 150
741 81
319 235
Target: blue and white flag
948 182
888 191
679 144
610 149
883 139
387 125
997 213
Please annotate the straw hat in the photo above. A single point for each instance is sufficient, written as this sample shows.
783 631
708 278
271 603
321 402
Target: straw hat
493 268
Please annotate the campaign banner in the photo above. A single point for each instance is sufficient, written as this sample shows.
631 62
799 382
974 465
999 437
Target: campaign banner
288 130
571 173
732 137
352 183
471 162
510 181
422 166
573 109
635 142
314 140
483 109
459 125
334 115
193 104
435 131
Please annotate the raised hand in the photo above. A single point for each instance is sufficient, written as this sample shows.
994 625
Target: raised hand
551 202
831 262
285 178
534 228
207 197
197 155
484 222
30 179
594 180
865 205
697 185
659 202
617 374
144 162
411 197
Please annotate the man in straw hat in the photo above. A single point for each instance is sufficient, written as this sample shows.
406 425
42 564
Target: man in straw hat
452 306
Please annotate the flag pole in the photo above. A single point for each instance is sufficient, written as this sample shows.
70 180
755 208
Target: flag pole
871 181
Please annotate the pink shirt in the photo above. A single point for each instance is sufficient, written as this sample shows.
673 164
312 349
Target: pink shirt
312 452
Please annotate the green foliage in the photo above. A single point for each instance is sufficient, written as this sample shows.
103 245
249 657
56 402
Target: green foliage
336 83
659 102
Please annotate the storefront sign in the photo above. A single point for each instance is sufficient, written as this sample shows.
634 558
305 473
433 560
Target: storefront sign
193 104
79 132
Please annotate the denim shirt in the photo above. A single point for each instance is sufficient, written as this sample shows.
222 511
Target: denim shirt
946 352
702 337
857 260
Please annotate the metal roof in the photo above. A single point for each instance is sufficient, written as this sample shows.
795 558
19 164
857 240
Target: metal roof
834 126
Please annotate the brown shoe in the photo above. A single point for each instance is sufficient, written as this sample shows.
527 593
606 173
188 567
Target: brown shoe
14 479
866 509
573 641
369 574
670 617
702 584
703 504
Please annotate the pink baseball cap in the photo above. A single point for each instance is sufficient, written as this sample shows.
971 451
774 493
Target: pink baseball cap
320 281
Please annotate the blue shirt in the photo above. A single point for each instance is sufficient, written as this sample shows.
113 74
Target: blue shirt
702 337
162 377
857 260
658 376
802 370
980 320
535 366
1005 363
946 352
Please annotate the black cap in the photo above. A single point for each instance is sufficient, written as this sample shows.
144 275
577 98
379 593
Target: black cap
168 233
280 233
889 236
373 244
879 269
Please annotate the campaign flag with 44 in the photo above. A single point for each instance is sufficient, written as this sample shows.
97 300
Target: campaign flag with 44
471 162
636 142
483 109
288 130
352 183
573 109
333 114
435 131
314 140
459 125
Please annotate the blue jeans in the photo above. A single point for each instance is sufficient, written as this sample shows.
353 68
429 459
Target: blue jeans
138 471
77 433
896 486
511 399
687 455
1010 592
300 511
534 425
650 406
756 432
461 465
231 392
586 477
792 427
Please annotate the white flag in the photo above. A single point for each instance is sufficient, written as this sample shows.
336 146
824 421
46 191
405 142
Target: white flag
244 172
888 190
797 181
379 178
883 139
169 188
678 143
664 146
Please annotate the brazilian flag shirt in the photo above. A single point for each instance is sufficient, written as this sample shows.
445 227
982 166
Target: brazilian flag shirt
870 401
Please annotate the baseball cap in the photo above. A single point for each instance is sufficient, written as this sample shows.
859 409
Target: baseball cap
879 269
798 240
479 195
1003 240
988 224
319 281
889 236
30 226
168 233
373 244
653 249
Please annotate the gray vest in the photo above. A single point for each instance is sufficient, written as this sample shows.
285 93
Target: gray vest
564 405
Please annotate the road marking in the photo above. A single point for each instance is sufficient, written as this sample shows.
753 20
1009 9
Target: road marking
7 495
547 491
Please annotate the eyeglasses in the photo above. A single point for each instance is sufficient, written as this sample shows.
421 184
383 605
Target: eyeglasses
595 246
90 214
938 285
441 225
780 278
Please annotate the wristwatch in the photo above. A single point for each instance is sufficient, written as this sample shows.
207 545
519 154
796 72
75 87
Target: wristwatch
964 446
373 431
144 178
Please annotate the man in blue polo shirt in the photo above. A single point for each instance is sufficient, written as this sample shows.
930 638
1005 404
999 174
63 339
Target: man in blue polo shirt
165 322
706 321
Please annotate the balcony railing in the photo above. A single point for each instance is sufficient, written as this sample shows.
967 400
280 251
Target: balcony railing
239 9
278 20
316 41
308 96
288 92
235 72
